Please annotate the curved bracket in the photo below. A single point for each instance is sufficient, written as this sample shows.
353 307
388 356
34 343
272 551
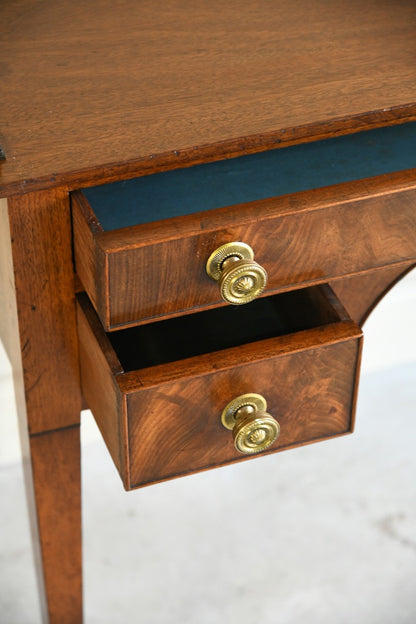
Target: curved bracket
361 293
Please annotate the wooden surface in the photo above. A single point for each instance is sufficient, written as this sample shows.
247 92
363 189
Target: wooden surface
315 401
99 366
128 87
38 328
153 270
40 230
56 464
100 91
90 261
361 293
165 419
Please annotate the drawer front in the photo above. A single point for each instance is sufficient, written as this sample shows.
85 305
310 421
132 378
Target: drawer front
151 271
164 421
176 428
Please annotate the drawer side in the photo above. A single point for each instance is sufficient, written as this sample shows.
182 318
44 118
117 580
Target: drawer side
99 366
90 260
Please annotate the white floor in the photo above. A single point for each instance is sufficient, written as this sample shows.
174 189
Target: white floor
321 534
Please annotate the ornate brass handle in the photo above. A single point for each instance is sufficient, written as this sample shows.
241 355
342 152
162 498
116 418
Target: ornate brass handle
240 278
254 430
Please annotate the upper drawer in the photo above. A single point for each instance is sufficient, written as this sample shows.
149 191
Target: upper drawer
141 246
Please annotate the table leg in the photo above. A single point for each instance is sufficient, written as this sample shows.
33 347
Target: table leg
38 327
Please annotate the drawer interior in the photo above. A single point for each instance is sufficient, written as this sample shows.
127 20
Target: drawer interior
226 327
254 177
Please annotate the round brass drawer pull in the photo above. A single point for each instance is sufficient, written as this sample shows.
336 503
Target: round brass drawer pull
254 430
240 278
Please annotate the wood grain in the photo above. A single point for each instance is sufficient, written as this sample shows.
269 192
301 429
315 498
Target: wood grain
175 429
90 261
38 328
157 84
40 230
362 293
166 417
157 270
96 92
99 366
56 463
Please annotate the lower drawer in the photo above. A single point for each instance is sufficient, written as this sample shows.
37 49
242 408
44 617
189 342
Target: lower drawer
163 393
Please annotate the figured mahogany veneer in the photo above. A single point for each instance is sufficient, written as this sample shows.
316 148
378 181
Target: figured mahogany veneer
163 420
156 84
140 273
100 92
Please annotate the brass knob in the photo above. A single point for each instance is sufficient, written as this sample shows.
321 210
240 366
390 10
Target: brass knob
254 430
240 278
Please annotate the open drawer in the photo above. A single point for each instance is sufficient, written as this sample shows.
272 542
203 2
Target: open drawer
159 392
142 246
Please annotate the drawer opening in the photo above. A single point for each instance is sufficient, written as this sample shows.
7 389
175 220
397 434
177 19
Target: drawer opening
253 177
225 327
340 207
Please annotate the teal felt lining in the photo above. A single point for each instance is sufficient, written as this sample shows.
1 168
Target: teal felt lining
256 176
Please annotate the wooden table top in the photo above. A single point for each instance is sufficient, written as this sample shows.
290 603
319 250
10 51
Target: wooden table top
109 89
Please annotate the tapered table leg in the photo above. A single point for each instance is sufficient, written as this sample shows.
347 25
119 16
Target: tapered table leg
37 325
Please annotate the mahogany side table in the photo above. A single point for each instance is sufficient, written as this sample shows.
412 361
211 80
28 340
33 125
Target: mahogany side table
98 93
